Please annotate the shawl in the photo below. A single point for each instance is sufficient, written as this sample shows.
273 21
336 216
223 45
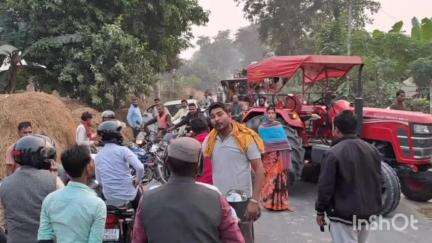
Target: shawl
89 131
243 135
274 136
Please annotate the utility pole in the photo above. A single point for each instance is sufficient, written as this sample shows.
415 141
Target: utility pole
350 3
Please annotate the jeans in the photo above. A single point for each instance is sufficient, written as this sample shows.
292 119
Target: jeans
136 131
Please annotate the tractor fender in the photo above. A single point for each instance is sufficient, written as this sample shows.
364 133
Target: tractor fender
386 131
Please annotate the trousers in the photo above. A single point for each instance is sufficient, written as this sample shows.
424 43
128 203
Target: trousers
343 233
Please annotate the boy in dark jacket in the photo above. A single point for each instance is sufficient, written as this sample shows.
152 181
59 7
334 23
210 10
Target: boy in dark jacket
350 182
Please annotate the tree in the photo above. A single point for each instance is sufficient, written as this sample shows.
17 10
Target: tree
331 40
422 32
421 71
123 43
118 65
216 59
249 45
287 24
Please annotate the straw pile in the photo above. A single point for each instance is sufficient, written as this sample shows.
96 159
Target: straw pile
47 113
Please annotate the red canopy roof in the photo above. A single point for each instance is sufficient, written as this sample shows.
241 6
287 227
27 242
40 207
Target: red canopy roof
315 68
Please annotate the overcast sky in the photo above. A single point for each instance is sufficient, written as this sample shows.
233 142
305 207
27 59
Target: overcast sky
225 14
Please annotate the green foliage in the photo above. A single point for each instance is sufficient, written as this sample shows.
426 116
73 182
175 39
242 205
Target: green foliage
101 51
421 105
422 32
118 65
331 40
289 25
217 59
397 28
421 70
247 42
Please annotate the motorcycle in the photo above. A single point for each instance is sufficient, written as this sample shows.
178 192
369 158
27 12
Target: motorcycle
119 224
119 221
152 155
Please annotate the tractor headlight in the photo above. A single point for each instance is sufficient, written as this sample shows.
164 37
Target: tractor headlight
422 129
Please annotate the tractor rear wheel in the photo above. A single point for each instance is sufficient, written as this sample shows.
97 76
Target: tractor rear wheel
297 149
297 154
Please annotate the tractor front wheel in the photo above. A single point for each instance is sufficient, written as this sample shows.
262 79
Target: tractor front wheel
417 186
391 190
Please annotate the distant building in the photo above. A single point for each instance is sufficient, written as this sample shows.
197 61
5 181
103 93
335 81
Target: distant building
410 88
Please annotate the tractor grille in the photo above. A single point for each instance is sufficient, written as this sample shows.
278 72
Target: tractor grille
421 145
403 141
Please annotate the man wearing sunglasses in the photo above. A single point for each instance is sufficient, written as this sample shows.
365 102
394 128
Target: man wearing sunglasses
24 129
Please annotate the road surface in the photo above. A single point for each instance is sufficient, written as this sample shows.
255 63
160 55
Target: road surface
299 226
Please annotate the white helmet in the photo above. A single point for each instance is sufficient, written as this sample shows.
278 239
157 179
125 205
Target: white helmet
108 115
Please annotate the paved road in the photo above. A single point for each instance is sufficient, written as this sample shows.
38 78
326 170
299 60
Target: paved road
299 226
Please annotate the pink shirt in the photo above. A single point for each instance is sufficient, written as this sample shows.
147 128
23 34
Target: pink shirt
207 172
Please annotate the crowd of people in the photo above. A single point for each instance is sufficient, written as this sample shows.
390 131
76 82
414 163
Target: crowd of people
217 155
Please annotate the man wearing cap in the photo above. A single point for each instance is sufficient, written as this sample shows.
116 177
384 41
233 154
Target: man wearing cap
183 210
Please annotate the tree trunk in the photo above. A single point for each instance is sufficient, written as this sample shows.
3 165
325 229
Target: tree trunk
13 71
430 96
349 28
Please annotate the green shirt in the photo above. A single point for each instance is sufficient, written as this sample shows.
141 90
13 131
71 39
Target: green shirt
73 214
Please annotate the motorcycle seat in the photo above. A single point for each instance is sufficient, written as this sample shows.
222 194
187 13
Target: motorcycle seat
123 211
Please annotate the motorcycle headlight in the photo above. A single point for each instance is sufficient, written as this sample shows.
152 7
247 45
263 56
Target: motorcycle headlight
422 129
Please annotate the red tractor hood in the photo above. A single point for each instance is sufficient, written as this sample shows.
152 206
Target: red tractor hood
405 116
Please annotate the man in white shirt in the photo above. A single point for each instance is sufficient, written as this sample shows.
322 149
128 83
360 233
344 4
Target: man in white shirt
113 167
84 133
182 112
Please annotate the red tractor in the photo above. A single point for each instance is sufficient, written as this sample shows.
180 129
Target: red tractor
404 138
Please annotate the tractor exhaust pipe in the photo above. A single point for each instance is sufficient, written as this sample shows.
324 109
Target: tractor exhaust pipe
359 101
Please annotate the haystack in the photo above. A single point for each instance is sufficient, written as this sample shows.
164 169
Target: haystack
47 113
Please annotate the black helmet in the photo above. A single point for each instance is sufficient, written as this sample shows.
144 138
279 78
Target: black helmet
110 132
35 150
108 115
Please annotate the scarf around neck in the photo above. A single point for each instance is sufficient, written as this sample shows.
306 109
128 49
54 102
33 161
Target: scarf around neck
243 135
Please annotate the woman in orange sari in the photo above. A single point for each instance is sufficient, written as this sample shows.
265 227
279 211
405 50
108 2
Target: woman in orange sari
276 162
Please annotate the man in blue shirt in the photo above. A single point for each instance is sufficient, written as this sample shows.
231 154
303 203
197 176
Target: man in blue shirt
113 167
75 213
134 117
